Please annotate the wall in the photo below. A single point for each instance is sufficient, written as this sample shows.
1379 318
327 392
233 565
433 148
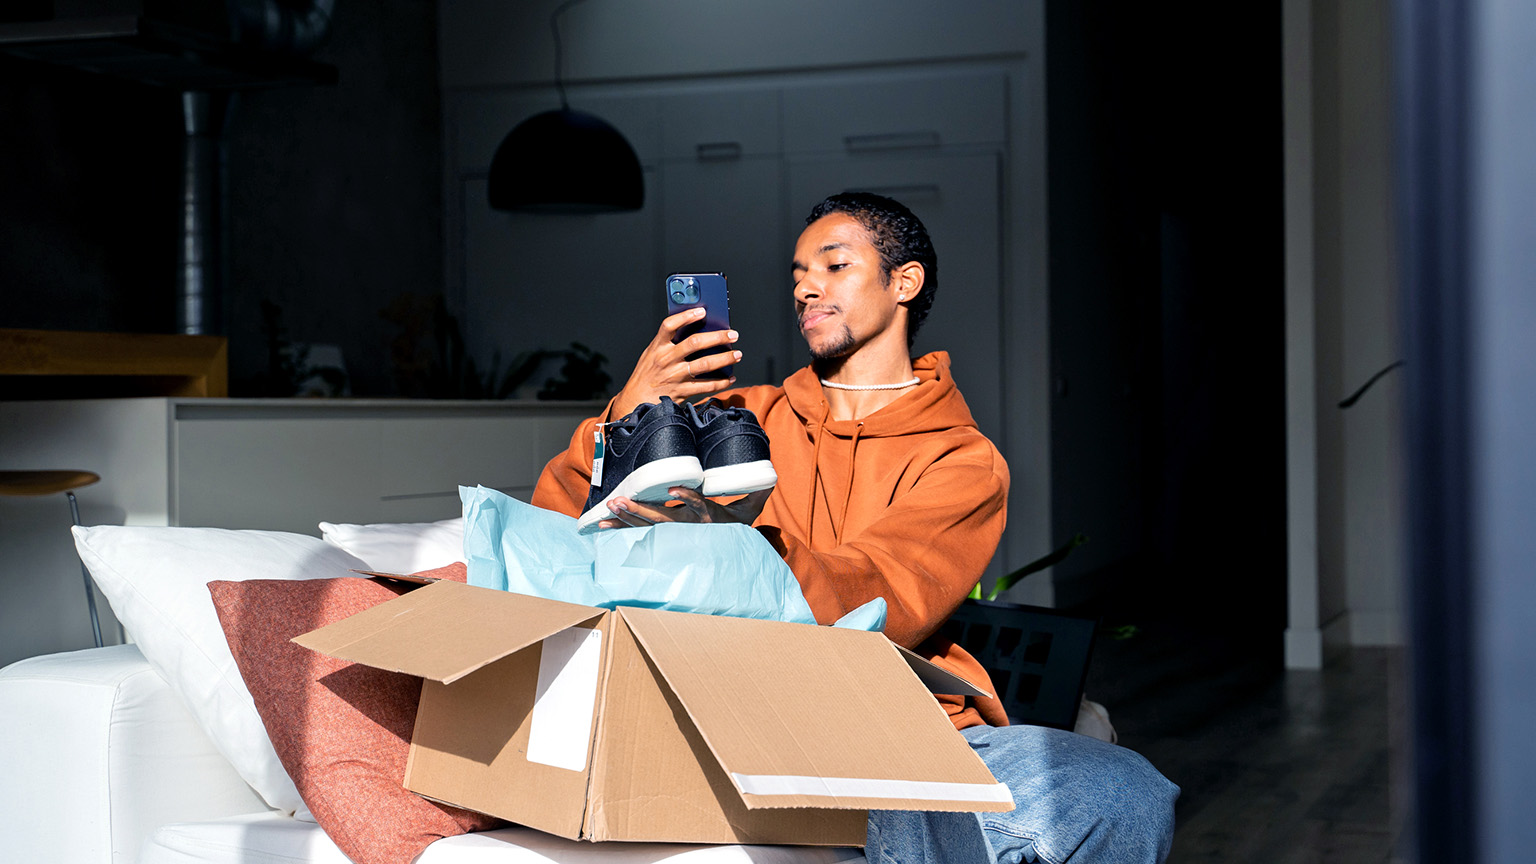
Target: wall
1346 474
1373 436
334 195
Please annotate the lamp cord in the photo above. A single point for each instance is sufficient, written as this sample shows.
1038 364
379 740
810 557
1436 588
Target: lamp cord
554 26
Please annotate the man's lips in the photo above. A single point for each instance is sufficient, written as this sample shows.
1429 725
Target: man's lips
811 317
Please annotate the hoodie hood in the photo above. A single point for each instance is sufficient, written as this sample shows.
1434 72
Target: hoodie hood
934 405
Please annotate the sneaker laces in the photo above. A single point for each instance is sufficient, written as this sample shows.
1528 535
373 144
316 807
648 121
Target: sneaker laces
625 426
707 411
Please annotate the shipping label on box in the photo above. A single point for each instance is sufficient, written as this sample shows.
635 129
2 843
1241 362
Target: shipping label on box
639 724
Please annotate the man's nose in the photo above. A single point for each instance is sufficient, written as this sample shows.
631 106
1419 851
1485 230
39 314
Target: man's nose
807 289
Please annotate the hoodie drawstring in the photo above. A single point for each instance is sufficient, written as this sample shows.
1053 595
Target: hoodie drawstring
853 452
810 508
810 504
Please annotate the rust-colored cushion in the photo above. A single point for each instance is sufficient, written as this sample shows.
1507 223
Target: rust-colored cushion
342 730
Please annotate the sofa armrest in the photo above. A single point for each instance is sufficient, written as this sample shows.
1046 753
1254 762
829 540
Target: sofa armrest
97 754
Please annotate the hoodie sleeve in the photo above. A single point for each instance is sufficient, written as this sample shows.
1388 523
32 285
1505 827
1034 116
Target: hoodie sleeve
563 485
923 554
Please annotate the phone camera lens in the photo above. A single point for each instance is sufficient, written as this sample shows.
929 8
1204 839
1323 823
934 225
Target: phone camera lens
683 290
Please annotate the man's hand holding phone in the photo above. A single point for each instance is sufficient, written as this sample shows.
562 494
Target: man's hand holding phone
665 370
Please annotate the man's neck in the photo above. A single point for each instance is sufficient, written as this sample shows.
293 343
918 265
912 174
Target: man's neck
871 366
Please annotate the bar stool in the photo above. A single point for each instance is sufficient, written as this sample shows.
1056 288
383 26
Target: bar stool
51 483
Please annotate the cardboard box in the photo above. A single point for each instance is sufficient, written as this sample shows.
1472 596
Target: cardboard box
639 724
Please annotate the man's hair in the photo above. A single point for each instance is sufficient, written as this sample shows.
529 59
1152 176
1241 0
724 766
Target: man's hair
898 236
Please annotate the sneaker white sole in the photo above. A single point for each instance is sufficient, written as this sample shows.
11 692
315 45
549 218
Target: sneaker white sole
648 483
739 479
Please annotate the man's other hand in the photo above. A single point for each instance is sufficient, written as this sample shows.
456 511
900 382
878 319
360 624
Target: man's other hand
688 506
665 370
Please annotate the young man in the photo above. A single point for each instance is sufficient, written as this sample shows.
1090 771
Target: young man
887 489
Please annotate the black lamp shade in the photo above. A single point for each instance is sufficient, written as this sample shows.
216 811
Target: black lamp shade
565 162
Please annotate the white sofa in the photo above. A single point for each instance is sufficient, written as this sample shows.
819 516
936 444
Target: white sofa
107 757
102 764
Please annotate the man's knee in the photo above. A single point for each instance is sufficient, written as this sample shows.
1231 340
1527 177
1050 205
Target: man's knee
1145 811
1078 795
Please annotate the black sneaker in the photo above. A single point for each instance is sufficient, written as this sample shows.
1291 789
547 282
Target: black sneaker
646 453
733 449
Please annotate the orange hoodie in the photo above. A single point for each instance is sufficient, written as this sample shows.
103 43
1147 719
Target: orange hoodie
907 503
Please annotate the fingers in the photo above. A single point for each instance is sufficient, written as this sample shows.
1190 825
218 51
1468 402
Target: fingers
690 498
673 323
745 509
698 367
635 514
694 507
748 507
664 368
625 514
703 341
669 352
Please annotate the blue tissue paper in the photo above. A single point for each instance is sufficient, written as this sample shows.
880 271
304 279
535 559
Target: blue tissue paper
708 569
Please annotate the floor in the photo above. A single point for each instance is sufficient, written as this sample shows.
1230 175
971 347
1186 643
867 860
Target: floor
1274 766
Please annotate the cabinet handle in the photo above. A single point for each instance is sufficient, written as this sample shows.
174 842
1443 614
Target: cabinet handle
891 141
718 151
910 192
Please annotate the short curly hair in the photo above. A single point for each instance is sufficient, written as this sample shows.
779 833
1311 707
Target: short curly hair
899 237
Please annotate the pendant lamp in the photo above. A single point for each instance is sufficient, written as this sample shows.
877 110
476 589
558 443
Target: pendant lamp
565 161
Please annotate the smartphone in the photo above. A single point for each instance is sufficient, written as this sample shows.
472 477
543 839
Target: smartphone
692 290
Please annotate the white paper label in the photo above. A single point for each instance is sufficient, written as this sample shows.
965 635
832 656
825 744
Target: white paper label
597 457
566 699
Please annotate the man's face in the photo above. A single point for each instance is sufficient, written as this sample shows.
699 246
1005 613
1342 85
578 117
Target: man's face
842 292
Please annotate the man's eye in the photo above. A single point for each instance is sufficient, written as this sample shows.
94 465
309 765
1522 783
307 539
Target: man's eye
836 267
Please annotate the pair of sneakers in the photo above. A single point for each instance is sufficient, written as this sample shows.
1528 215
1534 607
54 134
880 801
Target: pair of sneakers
713 447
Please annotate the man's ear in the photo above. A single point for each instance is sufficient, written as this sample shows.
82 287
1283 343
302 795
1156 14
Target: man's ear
907 280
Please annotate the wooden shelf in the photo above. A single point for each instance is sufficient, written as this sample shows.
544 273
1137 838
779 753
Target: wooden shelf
60 364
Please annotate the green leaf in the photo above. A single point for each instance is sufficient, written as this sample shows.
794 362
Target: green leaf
1008 580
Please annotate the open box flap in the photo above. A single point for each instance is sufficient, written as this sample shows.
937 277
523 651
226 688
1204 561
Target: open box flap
802 716
938 679
413 578
445 630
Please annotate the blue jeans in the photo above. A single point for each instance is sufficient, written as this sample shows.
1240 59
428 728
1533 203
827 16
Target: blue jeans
1075 799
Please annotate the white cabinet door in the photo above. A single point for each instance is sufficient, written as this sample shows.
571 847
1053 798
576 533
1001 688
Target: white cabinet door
276 473
958 200
720 123
896 112
723 216
283 468
535 281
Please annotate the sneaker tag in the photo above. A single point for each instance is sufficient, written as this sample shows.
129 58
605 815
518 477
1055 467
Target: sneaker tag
597 456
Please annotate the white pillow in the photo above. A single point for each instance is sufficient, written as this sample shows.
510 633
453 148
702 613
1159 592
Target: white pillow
400 547
155 579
